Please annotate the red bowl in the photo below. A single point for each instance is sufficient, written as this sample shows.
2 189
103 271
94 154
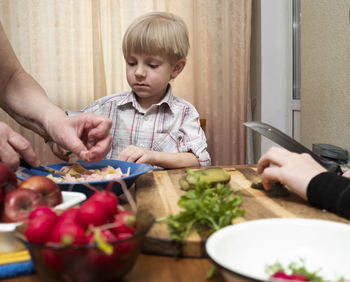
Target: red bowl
89 263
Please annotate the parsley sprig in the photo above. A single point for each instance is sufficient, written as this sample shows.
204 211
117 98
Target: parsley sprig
205 208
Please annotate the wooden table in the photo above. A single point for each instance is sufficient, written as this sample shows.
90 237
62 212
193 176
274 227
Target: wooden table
149 268
257 204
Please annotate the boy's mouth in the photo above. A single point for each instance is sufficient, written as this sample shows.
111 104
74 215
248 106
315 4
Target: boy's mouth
141 85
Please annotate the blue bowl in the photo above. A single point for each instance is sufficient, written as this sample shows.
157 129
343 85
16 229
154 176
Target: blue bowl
136 170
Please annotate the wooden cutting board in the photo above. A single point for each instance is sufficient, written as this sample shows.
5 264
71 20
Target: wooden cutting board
159 192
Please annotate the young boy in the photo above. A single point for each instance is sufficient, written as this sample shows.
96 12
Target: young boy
150 125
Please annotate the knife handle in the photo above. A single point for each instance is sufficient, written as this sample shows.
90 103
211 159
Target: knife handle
331 166
24 164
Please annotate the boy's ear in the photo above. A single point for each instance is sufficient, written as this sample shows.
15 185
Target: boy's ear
178 67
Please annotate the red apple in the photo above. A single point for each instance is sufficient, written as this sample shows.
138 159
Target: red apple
45 186
19 203
8 181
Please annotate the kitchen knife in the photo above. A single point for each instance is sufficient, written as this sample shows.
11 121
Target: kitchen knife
290 144
24 164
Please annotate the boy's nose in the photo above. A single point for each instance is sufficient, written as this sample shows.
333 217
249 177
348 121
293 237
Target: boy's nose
140 71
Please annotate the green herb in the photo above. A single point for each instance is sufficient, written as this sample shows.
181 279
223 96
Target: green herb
205 209
297 268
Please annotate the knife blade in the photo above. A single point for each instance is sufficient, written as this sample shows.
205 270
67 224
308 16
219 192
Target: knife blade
24 164
290 144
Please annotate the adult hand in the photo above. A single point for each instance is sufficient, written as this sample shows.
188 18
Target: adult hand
86 135
293 170
13 146
137 154
347 173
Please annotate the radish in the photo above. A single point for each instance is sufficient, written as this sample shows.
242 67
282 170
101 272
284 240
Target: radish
53 260
124 247
104 255
92 213
69 214
124 223
106 234
68 232
108 198
280 275
39 227
293 277
120 212
298 277
42 211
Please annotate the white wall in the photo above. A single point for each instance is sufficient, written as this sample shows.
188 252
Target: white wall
276 66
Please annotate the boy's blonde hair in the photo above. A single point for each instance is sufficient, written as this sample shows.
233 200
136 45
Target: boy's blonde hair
157 33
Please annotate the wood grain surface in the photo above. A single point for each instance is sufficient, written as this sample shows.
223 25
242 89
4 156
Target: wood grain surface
159 192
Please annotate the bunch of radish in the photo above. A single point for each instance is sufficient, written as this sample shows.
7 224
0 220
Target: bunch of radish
98 220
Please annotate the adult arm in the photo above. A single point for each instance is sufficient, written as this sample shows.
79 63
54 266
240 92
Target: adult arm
331 192
20 95
24 99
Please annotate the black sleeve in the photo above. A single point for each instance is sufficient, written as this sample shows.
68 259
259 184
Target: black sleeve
331 192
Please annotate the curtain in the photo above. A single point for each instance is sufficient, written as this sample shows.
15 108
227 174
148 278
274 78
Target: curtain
73 49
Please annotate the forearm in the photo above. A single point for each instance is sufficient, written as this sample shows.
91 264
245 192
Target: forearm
20 95
331 192
175 160
27 103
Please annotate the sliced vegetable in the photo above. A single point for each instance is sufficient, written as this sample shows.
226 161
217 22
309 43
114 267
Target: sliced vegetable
211 176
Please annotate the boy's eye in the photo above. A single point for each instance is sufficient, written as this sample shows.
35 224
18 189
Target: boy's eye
131 63
153 66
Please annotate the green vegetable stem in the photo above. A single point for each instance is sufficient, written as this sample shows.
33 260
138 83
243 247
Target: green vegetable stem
204 209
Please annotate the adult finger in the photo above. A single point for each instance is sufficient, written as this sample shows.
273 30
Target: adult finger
59 152
16 146
98 151
100 128
9 156
270 174
274 155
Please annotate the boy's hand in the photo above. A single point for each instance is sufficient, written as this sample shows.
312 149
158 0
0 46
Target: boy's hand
137 155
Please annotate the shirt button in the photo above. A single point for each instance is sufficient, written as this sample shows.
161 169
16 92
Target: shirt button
145 118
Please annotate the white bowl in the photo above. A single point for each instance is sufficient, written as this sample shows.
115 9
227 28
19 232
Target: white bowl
244 249
8 243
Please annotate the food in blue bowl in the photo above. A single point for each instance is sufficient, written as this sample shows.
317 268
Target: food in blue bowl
130 172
